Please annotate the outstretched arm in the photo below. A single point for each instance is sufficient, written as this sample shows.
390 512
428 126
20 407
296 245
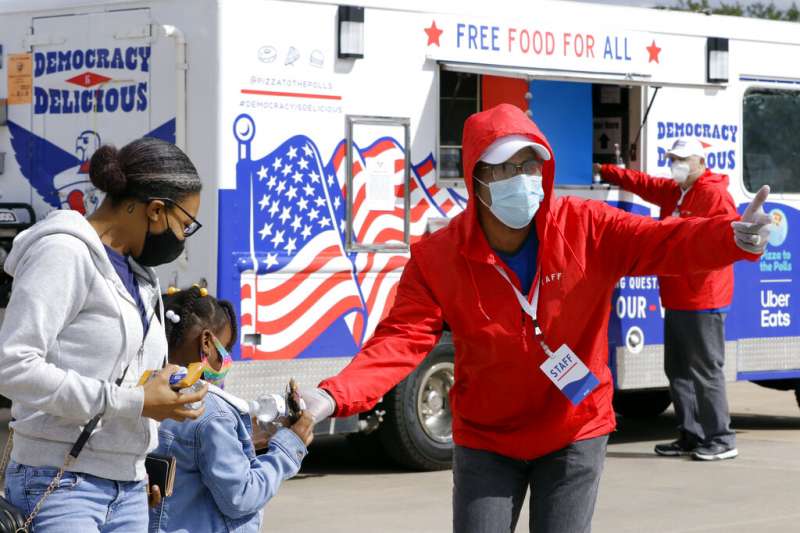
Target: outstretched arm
240 485
635 245
401 341
657 191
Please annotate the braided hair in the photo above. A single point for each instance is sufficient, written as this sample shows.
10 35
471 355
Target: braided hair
195 310
143 169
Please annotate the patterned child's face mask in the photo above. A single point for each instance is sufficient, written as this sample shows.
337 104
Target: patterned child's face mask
217 377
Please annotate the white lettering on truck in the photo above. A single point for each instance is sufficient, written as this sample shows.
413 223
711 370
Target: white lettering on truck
772 315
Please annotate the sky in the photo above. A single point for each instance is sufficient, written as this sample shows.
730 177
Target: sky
650 3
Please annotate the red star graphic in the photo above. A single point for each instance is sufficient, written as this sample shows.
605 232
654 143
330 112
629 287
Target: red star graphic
653 50
433 34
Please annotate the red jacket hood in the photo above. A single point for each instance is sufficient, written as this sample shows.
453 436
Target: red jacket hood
480 131
709 178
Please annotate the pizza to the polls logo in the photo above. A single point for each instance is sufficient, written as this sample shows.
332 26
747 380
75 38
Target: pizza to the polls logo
780 227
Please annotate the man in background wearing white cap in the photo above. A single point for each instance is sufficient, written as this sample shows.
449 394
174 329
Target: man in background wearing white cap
696 305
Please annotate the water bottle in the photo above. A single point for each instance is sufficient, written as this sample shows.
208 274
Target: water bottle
267 409
194 387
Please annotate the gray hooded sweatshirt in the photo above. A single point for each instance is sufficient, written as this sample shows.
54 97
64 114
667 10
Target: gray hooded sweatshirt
69 332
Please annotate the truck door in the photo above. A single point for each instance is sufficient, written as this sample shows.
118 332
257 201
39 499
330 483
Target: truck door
93 78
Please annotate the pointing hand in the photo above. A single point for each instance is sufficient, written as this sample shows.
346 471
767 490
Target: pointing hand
752 231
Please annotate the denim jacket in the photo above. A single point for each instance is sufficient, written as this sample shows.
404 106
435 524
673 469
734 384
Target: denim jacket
220 483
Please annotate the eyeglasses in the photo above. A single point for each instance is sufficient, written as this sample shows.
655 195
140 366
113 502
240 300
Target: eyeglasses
507 170
189 229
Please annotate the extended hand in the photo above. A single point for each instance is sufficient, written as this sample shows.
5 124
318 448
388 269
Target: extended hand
319 404
752 232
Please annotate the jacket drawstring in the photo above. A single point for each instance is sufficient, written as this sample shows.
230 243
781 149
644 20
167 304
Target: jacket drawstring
475 286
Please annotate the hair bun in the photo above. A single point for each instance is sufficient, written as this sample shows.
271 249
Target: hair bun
105 171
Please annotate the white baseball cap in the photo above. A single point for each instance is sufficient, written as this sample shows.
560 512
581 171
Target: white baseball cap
502 149
686 146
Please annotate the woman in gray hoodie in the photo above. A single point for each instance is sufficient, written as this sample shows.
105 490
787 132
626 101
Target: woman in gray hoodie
85 314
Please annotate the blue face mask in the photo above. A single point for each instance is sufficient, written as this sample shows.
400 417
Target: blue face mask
515 200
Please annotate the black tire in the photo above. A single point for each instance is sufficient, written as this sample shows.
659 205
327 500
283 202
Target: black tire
641 404
782 384
778 384
5 403
402 434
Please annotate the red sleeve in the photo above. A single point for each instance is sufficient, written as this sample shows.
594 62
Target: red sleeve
635 245
401 341
656 191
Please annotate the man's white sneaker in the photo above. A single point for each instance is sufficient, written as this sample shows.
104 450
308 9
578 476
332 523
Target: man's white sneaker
714 452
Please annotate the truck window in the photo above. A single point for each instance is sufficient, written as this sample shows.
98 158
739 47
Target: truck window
459 97
770 122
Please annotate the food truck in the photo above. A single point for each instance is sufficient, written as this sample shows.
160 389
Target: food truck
328 138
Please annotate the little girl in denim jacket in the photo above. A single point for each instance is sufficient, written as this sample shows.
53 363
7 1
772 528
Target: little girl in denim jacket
220 484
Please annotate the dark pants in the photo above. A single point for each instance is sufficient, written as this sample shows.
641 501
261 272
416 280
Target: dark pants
489 489
694 355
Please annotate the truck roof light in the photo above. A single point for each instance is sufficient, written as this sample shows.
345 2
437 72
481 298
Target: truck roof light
717 60
351 32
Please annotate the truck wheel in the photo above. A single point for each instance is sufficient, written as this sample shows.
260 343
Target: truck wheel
641 404
782 384
417 430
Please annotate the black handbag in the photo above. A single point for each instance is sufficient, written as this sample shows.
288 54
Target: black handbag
11 519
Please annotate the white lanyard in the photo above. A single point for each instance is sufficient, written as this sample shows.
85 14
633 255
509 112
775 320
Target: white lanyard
529 308
677 211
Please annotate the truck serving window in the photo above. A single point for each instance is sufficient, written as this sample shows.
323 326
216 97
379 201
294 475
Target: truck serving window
459 97
771 120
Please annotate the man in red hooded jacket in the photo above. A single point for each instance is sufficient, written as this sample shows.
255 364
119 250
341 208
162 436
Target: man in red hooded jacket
531 400
696 304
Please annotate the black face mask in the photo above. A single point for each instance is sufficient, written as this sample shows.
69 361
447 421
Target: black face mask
160 248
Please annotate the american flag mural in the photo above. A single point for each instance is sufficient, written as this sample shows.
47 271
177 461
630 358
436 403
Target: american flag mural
300 290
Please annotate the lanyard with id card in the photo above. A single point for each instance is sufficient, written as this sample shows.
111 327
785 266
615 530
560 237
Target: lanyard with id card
563 367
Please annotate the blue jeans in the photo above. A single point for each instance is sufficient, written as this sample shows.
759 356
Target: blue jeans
81 503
